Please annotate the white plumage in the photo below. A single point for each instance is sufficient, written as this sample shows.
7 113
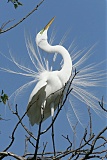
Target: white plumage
47 92
47 89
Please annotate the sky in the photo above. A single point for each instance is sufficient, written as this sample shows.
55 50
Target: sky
85 22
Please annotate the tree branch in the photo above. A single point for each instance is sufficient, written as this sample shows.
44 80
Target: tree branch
5 154
3 31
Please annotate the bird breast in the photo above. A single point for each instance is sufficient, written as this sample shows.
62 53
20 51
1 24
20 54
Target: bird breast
54 84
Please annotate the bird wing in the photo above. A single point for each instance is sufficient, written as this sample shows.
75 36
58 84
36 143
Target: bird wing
35 101
40 85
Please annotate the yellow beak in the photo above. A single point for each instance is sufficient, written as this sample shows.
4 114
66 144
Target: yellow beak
49 23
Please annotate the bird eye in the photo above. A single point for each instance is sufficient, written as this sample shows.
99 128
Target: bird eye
41 31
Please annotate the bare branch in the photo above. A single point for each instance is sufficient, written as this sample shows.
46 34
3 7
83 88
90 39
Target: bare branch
3 31
102 104
14 130
90 121
53 140
30 133
38 138
67 138
44 148
87 149
93 144
5 154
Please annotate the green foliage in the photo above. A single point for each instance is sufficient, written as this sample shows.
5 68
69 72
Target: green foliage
16 3
3 97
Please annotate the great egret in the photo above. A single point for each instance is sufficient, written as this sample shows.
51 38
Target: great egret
47 92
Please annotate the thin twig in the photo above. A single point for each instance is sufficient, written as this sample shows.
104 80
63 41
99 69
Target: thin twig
2 31
53 140
44 148
102 104
67 138
17 114
76 150
4 24
90 121
38 138
5 154
31 142
12 137
30 133
93 144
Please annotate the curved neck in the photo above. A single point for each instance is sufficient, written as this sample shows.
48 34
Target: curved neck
65 73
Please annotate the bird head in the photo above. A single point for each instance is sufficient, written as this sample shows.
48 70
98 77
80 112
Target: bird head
41 37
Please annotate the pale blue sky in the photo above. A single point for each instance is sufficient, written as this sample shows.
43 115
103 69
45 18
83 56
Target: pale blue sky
86 20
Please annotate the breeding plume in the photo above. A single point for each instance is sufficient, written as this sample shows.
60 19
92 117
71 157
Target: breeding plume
49 83
46 95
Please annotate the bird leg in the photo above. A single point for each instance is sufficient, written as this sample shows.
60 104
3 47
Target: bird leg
52 114
52 110
39 130
42 109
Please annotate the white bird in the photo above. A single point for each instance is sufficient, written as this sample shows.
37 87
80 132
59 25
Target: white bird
47 93
45 97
